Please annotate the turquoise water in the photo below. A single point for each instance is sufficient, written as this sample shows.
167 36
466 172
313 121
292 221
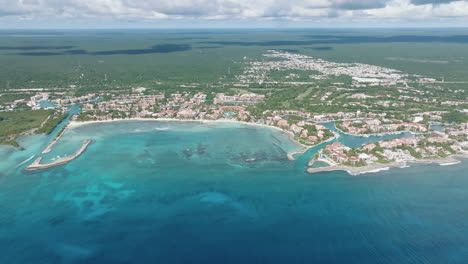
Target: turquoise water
358 141
160 192
11 159
46 104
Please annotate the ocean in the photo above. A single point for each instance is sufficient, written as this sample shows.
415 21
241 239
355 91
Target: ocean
176 192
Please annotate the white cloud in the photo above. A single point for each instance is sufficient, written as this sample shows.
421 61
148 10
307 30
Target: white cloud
256 10
407 10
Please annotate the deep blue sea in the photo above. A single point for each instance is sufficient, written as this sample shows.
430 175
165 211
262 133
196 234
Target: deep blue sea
161 192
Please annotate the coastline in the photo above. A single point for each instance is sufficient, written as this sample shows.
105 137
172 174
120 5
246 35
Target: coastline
290 155
306 148
376 167
450 160
354 171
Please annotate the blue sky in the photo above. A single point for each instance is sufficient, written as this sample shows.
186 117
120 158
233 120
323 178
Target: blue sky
231 13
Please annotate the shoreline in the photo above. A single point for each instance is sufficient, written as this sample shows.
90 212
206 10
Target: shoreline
376 167
290 155
73 124
36 165
354 171
313 160
450 160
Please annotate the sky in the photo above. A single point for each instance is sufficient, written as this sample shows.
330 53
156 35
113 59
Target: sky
30 14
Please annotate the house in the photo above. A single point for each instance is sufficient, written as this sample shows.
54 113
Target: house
369 147
354 160
296 129
364 156
283 123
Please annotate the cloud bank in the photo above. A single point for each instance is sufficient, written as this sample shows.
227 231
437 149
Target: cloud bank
22 11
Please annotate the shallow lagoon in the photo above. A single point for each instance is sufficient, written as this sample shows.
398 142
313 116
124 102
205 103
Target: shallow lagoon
164 192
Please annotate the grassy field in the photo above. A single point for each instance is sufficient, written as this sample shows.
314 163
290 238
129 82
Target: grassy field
54 120
96 60
15 123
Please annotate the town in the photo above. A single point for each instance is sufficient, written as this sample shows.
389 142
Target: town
363 109
434 145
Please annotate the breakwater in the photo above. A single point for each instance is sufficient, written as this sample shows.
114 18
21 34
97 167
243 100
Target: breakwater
36 165
359 170
51 144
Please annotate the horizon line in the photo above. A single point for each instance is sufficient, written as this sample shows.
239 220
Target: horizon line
237 28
